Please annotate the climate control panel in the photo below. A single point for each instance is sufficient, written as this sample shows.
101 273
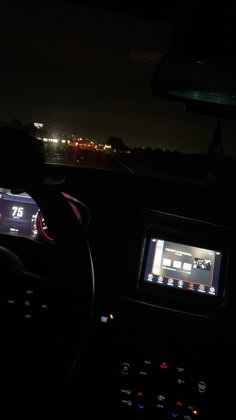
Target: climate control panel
162 389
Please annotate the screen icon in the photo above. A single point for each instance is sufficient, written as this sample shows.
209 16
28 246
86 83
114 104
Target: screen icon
180 284
160 279
191 286
201 288
212 291
177 264
170 282
167 262
187 266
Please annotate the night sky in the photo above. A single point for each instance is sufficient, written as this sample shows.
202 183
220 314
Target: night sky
89 72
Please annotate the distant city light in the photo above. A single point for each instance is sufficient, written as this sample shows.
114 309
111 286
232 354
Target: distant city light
38 125
63 141
45 139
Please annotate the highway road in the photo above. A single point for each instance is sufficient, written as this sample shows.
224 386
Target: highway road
160 163
88 159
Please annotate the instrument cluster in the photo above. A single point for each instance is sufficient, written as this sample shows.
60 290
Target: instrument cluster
21 216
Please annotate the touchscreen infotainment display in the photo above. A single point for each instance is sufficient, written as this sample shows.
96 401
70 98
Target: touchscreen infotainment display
180 266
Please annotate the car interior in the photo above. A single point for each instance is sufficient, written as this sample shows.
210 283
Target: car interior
117 290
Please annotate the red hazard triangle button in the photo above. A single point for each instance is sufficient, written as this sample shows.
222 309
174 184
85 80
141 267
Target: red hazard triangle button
164 365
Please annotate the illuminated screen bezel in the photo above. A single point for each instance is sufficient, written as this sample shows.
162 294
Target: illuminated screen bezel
161 289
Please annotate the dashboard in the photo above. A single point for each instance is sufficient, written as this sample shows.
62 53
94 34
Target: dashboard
21 216
163 296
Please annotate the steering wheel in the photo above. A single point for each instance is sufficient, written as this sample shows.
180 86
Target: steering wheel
45 317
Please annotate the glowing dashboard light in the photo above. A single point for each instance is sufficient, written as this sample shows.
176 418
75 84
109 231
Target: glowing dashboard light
140 394
104 319
164 365
41 226
111 317
195 412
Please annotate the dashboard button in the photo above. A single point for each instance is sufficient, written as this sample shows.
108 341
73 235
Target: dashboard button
161 397
164 365
174 415
202 387
143 373
126 391
11 301
180 369
161 406
181 381
29 292
125 368
127 403
140 394
140 401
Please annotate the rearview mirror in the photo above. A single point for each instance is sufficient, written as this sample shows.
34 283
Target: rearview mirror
194 80
200 66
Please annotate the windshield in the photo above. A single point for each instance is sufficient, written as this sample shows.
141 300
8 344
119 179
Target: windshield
81 79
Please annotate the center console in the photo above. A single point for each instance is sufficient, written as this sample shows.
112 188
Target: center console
168 335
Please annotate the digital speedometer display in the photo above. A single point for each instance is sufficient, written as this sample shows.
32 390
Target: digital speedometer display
21 216
18 213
